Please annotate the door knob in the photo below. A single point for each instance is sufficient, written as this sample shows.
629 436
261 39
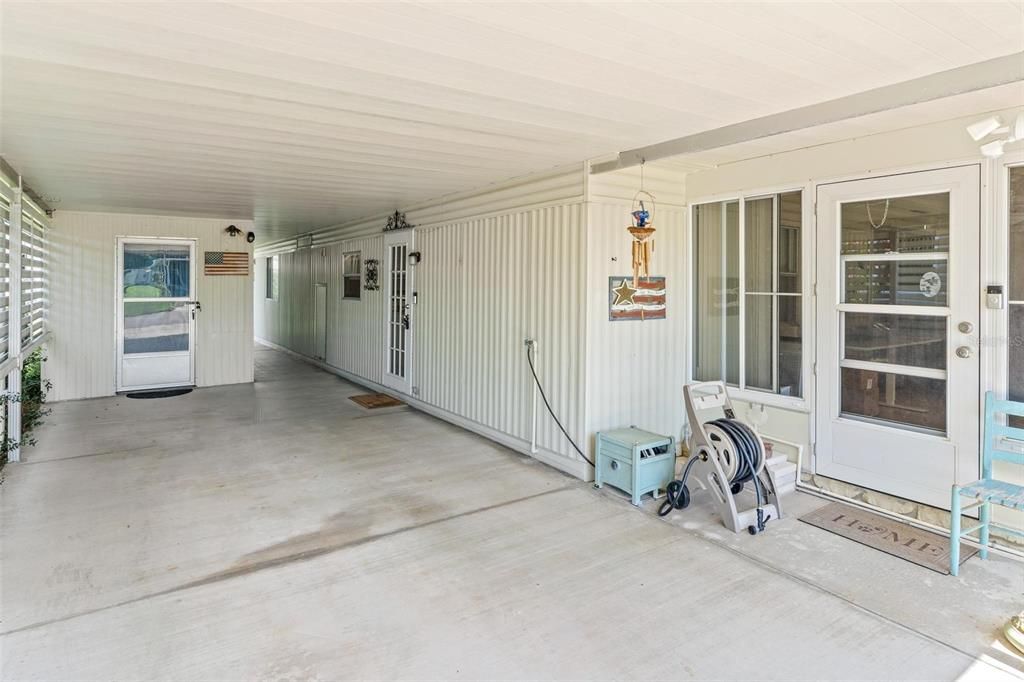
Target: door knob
963 352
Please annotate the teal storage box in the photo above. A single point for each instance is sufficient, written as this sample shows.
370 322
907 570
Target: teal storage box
634 461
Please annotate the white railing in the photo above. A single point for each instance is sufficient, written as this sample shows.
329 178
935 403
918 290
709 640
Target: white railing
24 269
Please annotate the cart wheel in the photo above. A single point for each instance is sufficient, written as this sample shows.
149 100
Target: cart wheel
736 488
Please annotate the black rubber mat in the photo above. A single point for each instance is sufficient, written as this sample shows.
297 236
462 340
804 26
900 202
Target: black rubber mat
169 393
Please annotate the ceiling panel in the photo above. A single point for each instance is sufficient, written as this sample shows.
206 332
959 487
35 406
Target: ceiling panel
309 114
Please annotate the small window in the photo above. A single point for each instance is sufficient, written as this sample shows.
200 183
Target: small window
351 283
273 272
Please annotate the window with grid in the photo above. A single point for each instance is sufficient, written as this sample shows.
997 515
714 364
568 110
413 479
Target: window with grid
33 278
747 293
351 274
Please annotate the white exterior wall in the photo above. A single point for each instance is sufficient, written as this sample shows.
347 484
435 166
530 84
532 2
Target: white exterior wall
935 145
355 328
927 146
499 266
81 354
636 369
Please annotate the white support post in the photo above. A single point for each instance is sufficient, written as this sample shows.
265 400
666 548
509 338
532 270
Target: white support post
14 331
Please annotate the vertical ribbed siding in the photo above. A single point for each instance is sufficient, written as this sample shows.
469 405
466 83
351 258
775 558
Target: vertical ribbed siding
356 327
81 355
484 286
636 370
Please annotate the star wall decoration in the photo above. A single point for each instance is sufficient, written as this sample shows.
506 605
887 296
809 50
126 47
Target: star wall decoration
624 294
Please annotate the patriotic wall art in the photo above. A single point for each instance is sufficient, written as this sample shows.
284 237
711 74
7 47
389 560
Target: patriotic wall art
226 263
643 301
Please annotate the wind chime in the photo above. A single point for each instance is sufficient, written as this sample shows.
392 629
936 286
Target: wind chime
642 230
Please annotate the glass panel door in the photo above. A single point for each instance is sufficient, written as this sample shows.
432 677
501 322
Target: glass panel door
398 317
1015 312
898 309
156 313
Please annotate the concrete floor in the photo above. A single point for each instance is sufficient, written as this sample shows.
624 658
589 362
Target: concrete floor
278 530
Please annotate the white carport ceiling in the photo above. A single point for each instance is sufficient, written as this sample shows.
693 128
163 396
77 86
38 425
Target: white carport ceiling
304 115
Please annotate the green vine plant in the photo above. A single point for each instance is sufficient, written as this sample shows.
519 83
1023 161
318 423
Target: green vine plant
34 390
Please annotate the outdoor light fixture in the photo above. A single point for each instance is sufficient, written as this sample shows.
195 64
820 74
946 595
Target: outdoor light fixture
993 125
993 149
250 237
415 257
982 129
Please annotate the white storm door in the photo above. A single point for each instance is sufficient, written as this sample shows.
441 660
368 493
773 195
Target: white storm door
156 311
398 315
897 312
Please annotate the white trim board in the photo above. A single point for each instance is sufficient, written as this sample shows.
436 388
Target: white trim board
964 79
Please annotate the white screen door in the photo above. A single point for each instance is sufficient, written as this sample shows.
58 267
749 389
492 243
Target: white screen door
398 316
156 311
897 352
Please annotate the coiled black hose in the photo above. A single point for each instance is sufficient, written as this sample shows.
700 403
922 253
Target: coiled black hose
747 451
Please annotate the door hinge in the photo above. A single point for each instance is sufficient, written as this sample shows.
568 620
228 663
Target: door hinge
814 368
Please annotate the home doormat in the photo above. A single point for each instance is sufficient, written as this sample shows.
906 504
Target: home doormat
372 401
899 539
169 393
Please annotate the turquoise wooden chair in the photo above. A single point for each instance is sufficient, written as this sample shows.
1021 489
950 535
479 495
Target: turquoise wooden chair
989 491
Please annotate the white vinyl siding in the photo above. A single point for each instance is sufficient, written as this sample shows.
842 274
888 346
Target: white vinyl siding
82 320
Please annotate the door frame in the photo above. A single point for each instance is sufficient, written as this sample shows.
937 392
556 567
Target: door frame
961 426
119 243
403 385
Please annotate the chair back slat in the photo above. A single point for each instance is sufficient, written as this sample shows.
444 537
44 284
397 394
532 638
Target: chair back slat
996 433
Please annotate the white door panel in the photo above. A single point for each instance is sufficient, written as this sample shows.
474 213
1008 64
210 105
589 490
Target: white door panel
898 294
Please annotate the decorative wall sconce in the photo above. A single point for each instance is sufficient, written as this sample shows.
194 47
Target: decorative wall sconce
397 221
370 274
415 257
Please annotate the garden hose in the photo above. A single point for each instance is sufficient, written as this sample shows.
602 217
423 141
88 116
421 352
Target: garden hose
740 454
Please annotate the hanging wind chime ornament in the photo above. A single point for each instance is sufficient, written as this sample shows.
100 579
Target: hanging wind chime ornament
642 230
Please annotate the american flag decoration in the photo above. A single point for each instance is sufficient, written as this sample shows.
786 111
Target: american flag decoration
643 301
226 263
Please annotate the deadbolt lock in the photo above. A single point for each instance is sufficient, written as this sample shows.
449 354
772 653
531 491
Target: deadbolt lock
965 327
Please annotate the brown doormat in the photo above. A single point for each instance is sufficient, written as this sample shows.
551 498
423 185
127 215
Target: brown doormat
902 540
372 401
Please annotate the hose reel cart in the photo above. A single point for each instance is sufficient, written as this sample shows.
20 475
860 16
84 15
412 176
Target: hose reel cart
725 455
